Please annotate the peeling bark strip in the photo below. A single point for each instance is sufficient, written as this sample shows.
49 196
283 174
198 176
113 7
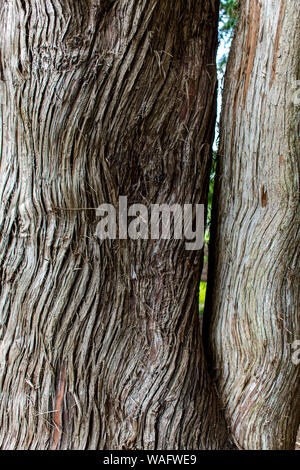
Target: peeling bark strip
57 418
264 197
103 98
252 315
251 43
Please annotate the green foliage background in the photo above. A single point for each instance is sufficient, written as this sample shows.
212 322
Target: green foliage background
229 10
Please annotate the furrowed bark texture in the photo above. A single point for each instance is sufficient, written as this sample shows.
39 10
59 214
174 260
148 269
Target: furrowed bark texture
252 315
100 342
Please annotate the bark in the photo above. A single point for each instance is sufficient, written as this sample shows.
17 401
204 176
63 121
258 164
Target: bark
252 315
100 342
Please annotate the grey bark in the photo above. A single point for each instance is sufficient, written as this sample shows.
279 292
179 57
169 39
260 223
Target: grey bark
252 315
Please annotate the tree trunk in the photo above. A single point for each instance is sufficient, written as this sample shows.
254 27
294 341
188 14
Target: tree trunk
100 341
253 296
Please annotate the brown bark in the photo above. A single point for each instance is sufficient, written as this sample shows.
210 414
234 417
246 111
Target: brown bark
100 342
252 315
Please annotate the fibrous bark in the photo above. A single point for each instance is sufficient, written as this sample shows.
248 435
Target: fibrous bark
252 315
100 342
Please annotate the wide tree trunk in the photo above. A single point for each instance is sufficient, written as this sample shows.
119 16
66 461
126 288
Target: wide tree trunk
252 315
100 342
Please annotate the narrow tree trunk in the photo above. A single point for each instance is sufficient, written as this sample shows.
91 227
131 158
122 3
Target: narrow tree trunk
100 343
252 315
